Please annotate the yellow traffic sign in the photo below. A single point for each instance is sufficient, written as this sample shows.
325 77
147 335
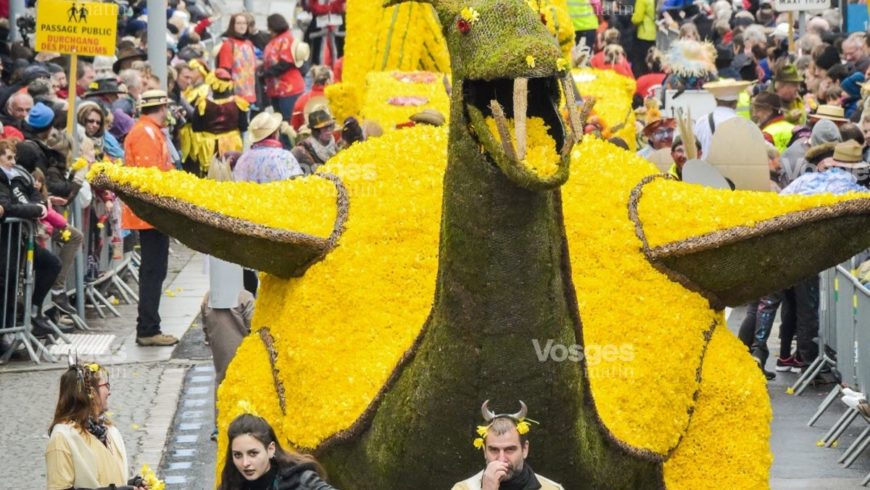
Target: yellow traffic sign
83 28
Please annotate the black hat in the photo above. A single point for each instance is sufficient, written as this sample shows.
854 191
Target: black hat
724 56
103 87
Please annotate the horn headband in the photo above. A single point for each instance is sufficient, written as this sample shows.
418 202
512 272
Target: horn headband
489 416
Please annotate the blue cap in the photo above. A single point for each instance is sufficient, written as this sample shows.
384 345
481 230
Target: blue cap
40 117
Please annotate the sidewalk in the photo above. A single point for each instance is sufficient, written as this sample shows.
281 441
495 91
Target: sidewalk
146 381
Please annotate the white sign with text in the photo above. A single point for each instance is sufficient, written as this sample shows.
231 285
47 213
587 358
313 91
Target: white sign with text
794 5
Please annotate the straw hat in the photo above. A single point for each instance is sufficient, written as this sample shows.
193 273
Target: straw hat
264 125
151 98
849 152
301 52
829 112
726 89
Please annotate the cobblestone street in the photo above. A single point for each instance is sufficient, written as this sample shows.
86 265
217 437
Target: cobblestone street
147 388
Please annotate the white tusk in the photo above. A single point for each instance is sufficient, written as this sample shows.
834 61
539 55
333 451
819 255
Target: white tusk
503 131
521 105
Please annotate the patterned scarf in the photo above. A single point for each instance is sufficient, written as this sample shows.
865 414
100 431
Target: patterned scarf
98 429
320 151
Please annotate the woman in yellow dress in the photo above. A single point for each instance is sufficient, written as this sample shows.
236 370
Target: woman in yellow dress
85 450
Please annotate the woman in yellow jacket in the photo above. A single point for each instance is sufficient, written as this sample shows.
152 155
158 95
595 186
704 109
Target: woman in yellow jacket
644 17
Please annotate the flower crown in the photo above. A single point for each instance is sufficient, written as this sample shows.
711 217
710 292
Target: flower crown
523 426
86 372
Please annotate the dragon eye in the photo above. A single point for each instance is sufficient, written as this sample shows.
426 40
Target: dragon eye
463 25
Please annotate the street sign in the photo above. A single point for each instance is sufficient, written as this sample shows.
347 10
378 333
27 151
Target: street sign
81 28
795 5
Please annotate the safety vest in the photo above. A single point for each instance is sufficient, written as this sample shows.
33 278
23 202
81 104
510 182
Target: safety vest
582 15
744 101
781 132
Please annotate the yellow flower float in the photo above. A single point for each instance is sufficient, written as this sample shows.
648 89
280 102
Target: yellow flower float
454 273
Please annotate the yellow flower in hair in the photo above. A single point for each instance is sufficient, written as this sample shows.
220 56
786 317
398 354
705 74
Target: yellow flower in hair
481 430
94 367
65 235
561 64
530 60
478 443
523 427
470 15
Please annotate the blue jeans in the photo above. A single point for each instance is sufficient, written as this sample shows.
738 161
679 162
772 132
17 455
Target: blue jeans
284 106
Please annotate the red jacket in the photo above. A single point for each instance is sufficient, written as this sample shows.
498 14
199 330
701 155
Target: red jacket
298 118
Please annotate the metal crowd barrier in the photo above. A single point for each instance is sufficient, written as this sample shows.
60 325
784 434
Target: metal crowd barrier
17 245
844 345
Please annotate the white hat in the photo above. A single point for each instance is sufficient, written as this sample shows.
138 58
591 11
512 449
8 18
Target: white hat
301 52
726 89
264 125
781 30
151 98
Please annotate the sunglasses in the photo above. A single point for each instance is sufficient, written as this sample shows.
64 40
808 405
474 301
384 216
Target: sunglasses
106 384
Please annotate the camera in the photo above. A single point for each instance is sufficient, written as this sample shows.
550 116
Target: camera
26 26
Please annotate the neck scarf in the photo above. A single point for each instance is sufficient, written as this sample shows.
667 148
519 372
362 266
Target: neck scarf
98 429
321 151
267 143
524 480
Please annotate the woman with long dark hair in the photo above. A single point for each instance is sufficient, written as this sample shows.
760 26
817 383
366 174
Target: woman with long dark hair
237 56
281 67
255 460
85 450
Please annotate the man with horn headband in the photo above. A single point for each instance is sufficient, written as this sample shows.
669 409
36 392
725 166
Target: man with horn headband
505 443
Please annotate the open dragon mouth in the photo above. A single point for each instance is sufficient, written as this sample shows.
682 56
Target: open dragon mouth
517 121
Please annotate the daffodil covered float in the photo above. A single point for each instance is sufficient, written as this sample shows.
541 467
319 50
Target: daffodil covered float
443 269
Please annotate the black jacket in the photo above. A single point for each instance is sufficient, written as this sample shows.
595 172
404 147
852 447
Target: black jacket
18 196
33 153
300 477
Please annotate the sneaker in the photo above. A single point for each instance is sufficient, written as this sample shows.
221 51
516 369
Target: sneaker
785 364
798 366
159 340
61 301
864 408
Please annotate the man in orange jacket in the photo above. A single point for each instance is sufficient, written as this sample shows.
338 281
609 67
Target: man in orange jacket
146 146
